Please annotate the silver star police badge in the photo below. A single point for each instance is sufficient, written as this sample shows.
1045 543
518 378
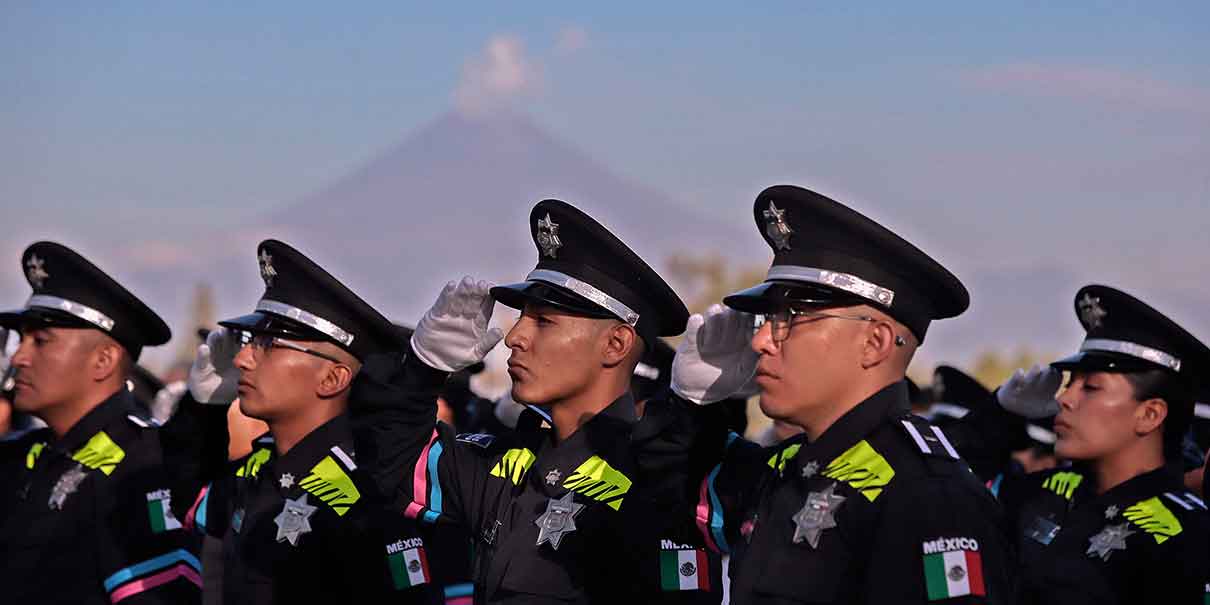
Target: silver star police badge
267 272
35 270
67 485
816 515
548 236
809 469
776 227
1112 538
286 480
553 476
559 519
1091 311
294 520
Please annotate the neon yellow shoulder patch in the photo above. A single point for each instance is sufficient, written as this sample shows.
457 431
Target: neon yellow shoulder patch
328 482
100 453
599 481
863 468
1153 517
1064 483
778 461
252 465
31 457
514 464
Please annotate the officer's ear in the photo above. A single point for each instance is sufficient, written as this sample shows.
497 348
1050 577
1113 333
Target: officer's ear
621 342
1150 415
336 379
107 360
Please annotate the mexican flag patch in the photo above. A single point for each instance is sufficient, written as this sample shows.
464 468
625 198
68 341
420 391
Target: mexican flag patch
953 568
408 563
159 511
683 568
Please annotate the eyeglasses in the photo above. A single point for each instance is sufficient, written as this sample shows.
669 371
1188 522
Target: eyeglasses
781 321
262 343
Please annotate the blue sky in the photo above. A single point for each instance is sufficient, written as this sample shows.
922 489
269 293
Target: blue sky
1005 136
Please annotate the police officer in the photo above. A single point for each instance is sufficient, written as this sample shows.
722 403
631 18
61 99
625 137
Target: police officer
873 505
569 508
1117 526
300 518
85 516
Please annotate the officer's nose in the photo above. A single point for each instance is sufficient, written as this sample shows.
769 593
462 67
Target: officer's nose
762 341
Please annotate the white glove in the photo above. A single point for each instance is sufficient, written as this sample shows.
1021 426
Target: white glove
1031 394
715 360
454 333
213 379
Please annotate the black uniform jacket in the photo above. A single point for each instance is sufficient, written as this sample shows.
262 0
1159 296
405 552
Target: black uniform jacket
88 518
310 526
572 521
879 509
1143 541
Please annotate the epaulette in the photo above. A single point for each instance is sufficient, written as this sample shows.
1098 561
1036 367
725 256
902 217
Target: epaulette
928 438
482 440
141 421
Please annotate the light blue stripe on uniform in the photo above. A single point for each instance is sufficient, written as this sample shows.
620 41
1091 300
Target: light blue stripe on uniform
127 574
716 513
199 516
465 589
434 507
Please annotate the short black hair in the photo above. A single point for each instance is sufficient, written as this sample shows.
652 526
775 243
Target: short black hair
1163 384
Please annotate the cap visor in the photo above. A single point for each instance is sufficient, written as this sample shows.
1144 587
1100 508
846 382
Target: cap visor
774 295
268 323
19 318
520 294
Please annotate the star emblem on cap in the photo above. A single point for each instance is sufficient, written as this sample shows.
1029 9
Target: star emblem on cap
816 515
35 270
559 519
286 480
267 272
1091 311
1112 538
776 227
548 236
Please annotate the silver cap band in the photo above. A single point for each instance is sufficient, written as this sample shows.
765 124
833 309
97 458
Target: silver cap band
586 290
316 322
1134 350
71 307
840 281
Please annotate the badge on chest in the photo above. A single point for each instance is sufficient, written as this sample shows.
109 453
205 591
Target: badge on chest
558 520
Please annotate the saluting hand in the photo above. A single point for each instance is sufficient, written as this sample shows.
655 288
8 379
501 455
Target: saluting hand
214 379
1031 394
454 333
715 361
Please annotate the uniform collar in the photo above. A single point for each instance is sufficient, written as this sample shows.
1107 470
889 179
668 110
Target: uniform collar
1135 489
117 406
606 430
335 434
891 402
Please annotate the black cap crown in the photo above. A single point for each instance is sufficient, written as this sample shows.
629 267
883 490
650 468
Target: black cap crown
826 252
303 301
70 291
584 268
1125 334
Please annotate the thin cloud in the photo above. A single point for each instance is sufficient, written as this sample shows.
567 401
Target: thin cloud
497 77
1092 83
570 40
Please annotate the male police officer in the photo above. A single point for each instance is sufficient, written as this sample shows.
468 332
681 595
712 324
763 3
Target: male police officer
565 510
301 519
874 506
87 517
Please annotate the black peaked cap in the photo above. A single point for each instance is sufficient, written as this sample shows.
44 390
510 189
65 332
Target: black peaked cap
584 268
826 252
1125 334
70 291
303 301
